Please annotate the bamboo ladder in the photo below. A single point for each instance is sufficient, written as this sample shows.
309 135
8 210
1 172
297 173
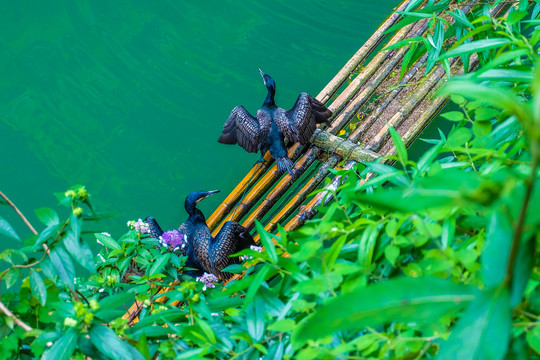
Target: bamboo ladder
408 106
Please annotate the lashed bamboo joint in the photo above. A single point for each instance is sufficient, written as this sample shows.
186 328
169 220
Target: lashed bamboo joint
408 107
345 148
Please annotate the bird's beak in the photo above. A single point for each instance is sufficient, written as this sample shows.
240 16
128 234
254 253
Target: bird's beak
262 74
208 193
211 193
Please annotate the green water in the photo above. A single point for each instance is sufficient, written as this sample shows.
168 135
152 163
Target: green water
130 97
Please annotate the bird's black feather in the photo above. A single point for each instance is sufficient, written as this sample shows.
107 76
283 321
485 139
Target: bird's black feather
267 131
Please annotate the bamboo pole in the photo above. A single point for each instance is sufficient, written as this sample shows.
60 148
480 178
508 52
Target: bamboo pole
365 50
381 139
309 210
227 205
378 74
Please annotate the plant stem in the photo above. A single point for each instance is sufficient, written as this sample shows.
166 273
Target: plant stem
18 212
17 321
518 230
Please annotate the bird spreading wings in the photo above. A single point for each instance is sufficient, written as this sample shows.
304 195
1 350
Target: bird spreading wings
299 123
242 128
296 124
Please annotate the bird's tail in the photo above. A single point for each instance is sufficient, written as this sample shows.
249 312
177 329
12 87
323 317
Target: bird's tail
285 164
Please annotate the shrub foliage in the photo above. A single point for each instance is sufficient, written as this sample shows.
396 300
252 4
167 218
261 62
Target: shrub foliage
432 257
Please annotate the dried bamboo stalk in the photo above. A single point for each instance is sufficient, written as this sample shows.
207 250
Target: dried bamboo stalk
227 205
365 50
377 72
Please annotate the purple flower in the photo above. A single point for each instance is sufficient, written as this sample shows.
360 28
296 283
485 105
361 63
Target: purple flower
173 238
208 280
141 227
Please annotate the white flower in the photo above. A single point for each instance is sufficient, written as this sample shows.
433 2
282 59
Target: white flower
252 247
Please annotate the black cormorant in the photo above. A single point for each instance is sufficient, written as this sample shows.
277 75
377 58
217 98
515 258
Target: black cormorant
266 131
205 253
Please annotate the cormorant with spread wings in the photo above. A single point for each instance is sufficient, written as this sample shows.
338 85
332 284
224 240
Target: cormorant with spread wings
266 132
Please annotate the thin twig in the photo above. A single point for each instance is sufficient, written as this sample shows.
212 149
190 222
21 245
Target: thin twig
18 212
17 321
521 219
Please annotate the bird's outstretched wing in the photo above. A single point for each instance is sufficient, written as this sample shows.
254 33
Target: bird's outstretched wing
299 123
244 129
231 239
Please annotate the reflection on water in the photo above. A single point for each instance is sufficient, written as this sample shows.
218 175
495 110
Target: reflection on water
130 98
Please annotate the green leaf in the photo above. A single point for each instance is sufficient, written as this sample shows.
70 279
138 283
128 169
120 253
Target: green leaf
11 277
497 97
207 330
258 278
63 348
483 332
366 247
159 264
108 343
400 146
458 137
460 17
523 267
284 325
111 306
319 284
142 346
482 114
234 269
266 240
501 59
507 75
190 354
79 251
436 42
107 241
38 287
46 234
63 265
515 16
398 300
475 47
533 338
6 229
407 59
496 249
391 252
453 115
481 128
332 254
47 216
255 321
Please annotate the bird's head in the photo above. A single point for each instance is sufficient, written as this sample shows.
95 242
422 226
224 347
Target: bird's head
268 82
195 197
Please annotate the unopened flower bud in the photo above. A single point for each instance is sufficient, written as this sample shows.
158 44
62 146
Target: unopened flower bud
69 322
94 305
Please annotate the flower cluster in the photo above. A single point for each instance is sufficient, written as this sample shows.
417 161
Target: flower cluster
252 247
173 239
140 226
208 280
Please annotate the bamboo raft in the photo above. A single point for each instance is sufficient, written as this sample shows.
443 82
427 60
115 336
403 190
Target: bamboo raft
366 91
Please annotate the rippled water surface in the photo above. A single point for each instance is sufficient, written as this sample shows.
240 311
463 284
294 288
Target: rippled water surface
130 97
